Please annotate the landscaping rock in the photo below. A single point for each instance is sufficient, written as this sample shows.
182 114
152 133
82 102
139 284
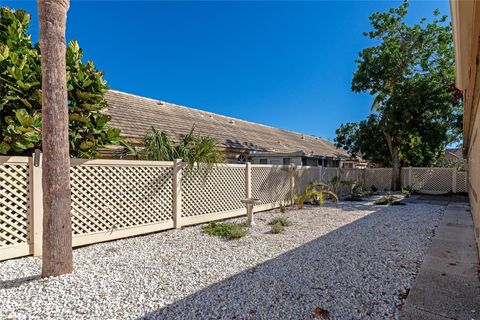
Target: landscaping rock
350 260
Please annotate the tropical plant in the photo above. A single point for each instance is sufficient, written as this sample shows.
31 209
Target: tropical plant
315 193
21 94
157 146
191 148
417 110
388 200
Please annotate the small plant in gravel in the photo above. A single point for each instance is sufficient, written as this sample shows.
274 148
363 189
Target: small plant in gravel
225 230
277 228
388 200
283 221
407 191
282 207
278 224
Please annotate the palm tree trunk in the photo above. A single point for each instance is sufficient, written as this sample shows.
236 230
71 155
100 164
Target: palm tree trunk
57 225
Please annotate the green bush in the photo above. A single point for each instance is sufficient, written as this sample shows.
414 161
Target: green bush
277 228
388 201
225 230
21 95
283 221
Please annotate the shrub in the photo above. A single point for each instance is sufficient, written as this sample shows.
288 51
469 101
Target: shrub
407 191
282 207
388 201
21 95
225 230
283 221
277 228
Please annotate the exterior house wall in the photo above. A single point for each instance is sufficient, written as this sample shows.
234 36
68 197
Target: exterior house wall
277 160
466 33
474 175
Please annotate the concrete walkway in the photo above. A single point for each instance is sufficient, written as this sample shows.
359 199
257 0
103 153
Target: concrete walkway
448 286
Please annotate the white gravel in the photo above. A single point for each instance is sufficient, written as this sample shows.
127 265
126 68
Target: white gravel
354 260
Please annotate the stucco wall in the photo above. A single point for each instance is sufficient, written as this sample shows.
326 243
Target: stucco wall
474 175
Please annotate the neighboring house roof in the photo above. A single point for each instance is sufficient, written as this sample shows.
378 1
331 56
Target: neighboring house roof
453 154
134 115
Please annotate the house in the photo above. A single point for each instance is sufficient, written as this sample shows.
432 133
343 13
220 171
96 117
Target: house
299 158
466 34
453 155
240 140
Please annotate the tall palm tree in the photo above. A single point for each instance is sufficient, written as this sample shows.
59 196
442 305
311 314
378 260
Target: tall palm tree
57 225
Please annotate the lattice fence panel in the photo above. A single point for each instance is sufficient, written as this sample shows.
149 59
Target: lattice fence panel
348 179
437 180
14 205
349 175
306 176
270 184
462 184
107 198
212 190
328 174
404 177
380 178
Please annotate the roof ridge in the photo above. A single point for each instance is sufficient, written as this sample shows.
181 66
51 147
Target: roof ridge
221 115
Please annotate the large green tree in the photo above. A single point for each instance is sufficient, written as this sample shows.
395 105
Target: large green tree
411 74
21 94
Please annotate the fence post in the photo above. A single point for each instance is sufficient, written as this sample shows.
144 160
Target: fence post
177 178
248 180
410 177
36 204
454 180
292 173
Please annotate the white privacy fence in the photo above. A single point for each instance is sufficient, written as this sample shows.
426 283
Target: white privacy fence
113 199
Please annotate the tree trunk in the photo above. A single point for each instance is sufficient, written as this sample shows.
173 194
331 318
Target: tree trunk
396 165
57 225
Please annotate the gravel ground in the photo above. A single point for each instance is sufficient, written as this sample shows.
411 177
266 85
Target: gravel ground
341 261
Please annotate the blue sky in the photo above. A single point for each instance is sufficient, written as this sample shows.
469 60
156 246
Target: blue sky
285 64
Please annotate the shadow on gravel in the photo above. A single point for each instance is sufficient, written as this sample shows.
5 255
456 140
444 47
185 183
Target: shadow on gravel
10 284
357 271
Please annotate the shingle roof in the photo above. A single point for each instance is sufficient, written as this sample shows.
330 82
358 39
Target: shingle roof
134 115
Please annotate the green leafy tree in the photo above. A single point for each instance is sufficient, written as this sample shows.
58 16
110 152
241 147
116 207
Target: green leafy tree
21 94
417 109
191 148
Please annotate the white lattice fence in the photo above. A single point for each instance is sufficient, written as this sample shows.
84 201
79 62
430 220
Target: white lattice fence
212 193
14 207
270 184
405 177
462 182
306 176
111 199
328 174
380 178
432 180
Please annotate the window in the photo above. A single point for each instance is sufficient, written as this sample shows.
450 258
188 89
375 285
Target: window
263 161
286 161
241 159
